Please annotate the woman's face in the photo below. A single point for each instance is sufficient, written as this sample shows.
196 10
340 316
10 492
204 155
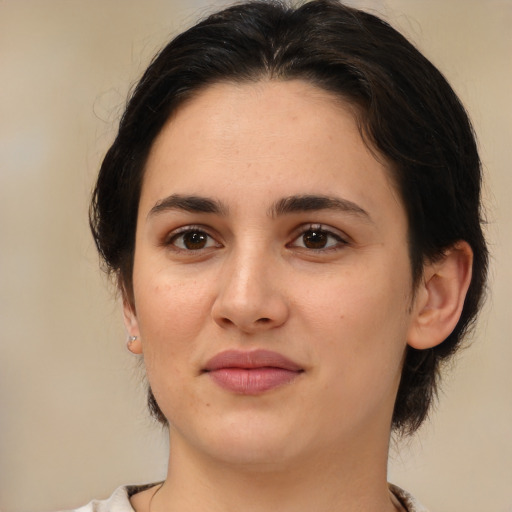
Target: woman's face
272 283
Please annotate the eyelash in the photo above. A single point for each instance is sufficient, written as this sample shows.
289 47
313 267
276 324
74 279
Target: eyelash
178 236
318 229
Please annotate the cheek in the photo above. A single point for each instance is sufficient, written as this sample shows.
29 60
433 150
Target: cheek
364 339
360 320
171 312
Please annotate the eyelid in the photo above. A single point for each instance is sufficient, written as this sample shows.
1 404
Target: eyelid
342 238
170 237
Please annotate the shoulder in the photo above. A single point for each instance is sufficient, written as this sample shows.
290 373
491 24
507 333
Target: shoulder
118 502
410 503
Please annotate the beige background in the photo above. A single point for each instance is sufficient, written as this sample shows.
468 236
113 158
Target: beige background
73 424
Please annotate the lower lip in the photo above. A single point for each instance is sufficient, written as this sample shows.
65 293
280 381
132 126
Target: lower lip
252 381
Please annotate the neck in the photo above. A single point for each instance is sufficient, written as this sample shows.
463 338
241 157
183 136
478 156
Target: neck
353 480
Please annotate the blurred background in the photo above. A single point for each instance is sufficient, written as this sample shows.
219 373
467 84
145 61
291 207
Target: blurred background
73 423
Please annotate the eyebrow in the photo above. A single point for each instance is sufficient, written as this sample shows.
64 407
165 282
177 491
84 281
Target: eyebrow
284 206
305 203
194 204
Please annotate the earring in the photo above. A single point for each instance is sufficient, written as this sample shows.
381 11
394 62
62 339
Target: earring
130 345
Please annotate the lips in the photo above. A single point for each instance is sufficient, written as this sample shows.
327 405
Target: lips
251 373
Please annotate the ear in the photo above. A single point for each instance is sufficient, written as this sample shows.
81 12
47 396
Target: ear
132 326
440 297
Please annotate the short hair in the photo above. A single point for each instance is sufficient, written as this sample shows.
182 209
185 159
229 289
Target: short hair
406 112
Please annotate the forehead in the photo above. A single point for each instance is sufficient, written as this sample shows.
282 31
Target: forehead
228 111
269 137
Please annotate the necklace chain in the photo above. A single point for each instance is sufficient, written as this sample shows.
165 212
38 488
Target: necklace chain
153 495
396 502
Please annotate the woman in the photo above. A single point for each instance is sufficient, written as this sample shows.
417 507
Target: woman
291 209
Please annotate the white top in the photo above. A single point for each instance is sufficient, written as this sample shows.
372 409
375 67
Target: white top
120 500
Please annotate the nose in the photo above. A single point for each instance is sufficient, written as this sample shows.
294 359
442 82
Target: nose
250 295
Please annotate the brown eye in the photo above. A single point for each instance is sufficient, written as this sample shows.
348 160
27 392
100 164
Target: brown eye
193 240
315 239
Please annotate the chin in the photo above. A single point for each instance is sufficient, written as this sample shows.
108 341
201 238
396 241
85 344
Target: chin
249 442
255 455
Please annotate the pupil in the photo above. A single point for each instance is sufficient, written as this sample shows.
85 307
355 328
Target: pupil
315 239
194 240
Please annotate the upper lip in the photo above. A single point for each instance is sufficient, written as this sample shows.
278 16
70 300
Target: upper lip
251 359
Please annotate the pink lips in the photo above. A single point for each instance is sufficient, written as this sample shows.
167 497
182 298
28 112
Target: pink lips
251 373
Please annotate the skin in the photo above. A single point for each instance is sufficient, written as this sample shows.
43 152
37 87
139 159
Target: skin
340 304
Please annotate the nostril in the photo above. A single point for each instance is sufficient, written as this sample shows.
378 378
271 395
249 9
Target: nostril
263 320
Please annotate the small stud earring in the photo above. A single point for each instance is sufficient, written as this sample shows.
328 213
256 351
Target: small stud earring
130 345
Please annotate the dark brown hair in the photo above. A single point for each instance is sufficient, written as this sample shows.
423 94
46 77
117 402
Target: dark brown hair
408 113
